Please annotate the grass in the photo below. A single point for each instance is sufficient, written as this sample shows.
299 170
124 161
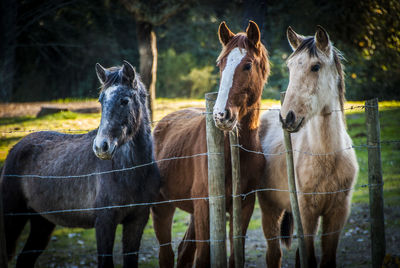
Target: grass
390 153
78 242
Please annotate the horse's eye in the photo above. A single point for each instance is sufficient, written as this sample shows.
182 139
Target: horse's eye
247 66
124 101
315 68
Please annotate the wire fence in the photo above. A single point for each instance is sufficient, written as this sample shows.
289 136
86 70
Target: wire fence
69 130
204 154
204 198
243 195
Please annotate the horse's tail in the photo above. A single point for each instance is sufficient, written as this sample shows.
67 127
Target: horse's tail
287 229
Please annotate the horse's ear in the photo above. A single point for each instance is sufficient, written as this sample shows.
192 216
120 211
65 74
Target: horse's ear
294 38
225 35
101 73
253 33
128 73
322 40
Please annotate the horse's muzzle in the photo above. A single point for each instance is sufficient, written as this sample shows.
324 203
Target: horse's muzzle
103 148
225 121
290 123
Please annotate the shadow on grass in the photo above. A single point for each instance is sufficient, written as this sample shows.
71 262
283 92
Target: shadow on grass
16 120
4 142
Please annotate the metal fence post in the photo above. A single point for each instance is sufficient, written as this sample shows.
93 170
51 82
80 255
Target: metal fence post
377 218
293 195
216 186
237 203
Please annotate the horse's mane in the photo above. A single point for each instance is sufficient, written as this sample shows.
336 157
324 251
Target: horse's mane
308 44
241 41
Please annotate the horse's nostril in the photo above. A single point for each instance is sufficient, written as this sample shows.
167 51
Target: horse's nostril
227 114
290 118
104 146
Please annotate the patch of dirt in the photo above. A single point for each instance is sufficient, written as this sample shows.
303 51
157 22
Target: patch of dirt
33 108
354 247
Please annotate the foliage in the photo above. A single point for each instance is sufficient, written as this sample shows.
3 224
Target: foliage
171 69
278 79
201 81
58 43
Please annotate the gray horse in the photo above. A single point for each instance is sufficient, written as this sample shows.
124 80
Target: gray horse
47 173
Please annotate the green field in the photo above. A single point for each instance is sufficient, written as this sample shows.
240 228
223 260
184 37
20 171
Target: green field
68 246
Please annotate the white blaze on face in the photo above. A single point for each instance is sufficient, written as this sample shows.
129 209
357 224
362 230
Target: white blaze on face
234 59
100 137
109 92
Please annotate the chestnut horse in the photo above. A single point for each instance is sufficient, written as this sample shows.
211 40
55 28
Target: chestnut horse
244 69
313 112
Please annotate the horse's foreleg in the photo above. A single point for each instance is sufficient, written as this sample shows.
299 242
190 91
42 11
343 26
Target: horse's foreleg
271 221
13 226
202 230
162 220
105 236
332 224
187 248
246 212
131 235
39 237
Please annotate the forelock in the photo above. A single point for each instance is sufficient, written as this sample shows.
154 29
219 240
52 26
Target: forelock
241 41
113 78
307 45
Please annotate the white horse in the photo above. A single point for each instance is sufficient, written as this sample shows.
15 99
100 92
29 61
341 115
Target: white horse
324 159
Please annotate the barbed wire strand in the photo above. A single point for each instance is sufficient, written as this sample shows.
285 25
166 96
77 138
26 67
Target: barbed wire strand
163 120
183 157
174 242
108 171
113 207
206 198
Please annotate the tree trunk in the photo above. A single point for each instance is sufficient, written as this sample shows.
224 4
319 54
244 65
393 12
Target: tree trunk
147 44
8 17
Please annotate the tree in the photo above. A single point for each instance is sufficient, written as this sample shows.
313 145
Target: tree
148 14
8 18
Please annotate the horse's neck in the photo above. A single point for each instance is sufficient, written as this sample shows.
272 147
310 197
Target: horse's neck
248 129
326 133
136 151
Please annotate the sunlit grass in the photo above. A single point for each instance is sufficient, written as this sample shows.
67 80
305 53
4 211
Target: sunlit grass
390 153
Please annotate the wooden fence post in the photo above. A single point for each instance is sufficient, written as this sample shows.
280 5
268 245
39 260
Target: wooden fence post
3 250
237 202
378 242
293 195
216 186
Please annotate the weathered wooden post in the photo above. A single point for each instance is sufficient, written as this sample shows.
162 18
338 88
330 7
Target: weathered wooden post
237 202
216 186
3 250
293 195
377 219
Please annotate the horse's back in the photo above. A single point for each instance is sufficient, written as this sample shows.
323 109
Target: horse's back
49 154
181 135
270 133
